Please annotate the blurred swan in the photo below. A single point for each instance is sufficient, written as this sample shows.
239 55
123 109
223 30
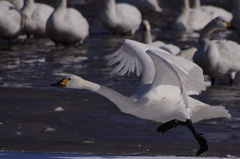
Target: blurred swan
191 19
173 49
120 18
37 16
217 57
163 94
66 25
11 21
236 17
17 3
214 10
147 38
144 5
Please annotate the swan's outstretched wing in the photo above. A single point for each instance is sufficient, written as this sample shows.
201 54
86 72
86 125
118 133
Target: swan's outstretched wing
177 71
132 57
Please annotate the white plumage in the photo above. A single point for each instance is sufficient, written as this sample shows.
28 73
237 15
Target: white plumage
163 94
144 5
217 57
166 83
37 16
11 21
120 18
67 25
147 38
17 3
214 11
191 19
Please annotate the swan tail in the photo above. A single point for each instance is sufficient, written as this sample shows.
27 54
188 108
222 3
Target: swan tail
209 112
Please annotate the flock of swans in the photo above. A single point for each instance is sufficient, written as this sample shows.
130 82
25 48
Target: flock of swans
167 80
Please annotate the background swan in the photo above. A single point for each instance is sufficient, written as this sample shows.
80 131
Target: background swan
163 94
173 49
144 5
217 57
147 38
37 16
191 19
11 21
66 25
214 10
120 18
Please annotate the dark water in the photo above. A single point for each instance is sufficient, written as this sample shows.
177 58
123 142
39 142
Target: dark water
90 123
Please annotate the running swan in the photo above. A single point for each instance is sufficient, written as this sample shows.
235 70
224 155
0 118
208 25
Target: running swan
217 58
163 94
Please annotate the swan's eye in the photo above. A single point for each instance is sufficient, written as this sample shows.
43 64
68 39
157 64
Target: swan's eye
69 78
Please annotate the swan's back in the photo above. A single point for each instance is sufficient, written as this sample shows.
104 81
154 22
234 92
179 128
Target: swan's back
217 11
36 24
144 5
121 18
67 26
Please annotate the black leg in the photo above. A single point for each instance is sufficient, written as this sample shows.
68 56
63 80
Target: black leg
231 82
213 80
174 123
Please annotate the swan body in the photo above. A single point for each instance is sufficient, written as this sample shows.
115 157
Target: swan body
11 21
17 3
37 16
217 58
67 25
144 5
147 38
191 19
120 18
214 11
163 94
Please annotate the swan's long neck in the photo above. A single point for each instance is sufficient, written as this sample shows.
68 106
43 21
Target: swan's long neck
147 36
109 93
28 8
207 31
196 4
184 15
109 7
61 8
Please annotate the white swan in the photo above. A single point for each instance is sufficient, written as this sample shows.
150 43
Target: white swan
37 16
147 38
214 10
144 5
191 19
120 18
11 21
163 94
173 49
217 57
66 25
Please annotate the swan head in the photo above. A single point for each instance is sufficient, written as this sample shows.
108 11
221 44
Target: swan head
145 25
70 81
221 24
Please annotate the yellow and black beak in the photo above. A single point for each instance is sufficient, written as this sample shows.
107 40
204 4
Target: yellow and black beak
230 27
61 83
